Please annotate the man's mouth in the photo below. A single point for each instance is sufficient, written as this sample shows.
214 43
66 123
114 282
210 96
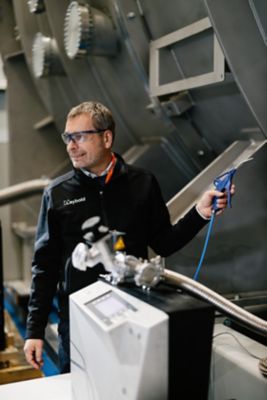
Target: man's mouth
76 156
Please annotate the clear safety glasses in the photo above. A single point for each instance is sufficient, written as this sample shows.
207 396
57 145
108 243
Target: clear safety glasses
79 137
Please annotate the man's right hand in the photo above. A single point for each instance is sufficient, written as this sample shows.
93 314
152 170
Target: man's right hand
33 349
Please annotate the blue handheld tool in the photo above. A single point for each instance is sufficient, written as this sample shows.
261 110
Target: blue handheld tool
222 183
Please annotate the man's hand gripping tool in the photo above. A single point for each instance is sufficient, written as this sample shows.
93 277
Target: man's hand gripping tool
223 183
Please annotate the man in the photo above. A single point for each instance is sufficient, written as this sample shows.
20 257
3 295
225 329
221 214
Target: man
127 199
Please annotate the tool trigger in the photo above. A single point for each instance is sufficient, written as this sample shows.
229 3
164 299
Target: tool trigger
223 183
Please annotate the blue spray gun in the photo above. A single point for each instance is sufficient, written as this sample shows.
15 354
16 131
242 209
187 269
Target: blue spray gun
222 183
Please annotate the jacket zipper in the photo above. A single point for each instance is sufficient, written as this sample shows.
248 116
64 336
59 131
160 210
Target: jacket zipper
103 210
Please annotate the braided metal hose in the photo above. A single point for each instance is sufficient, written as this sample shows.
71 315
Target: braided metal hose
227 307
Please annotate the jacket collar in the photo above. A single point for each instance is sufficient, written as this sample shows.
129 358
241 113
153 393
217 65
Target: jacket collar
120 169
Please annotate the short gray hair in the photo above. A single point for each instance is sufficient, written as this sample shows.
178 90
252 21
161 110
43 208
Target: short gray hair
101 116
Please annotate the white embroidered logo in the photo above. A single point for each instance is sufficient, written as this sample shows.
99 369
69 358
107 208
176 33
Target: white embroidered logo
69 202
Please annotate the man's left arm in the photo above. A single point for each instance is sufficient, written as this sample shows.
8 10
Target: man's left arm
166 238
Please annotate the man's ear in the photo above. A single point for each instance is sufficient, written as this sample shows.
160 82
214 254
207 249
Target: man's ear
108 138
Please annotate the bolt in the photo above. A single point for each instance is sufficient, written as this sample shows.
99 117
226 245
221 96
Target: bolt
131 15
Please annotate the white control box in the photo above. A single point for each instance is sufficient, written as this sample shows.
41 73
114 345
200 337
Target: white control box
119 346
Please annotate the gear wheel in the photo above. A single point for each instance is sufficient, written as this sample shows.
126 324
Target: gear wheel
78 30
45 57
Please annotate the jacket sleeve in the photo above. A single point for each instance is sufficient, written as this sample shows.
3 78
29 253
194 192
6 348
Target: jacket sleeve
45 270
165 238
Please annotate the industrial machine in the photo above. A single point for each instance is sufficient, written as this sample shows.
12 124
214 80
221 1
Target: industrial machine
132 344
141 340
136 343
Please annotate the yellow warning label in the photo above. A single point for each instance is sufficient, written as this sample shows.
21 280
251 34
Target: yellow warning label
119 245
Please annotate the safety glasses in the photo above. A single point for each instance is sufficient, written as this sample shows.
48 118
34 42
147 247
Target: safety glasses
78 137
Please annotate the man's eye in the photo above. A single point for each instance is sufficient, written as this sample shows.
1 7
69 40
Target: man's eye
78 137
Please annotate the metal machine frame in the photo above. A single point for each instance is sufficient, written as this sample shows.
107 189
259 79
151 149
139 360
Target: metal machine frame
216 75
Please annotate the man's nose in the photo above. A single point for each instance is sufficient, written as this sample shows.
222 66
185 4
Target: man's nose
72 144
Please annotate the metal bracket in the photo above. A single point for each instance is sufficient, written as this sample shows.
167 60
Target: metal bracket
216 75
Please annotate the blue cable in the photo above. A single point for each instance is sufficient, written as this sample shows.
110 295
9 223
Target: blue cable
222 183
205 245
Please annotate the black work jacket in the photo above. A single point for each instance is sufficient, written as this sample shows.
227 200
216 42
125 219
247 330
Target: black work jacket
131 202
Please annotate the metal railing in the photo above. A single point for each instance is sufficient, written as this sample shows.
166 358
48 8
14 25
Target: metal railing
22 190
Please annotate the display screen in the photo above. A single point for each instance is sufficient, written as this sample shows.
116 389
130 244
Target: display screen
109 305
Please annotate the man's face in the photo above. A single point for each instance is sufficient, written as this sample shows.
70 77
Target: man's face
94 152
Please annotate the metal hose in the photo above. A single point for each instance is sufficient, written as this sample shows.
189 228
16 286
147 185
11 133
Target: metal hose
227 307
